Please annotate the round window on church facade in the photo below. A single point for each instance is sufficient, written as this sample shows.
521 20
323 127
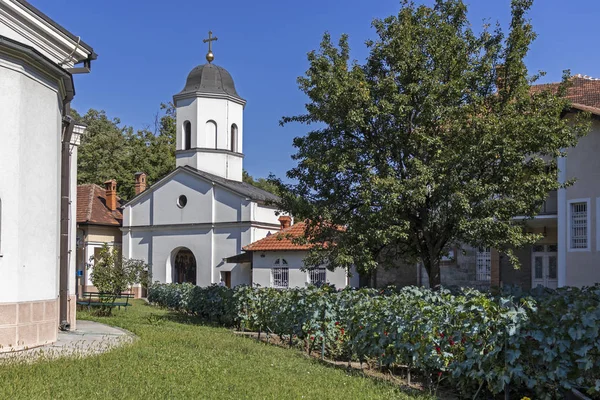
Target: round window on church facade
181 201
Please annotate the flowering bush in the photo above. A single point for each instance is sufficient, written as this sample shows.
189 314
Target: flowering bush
542 342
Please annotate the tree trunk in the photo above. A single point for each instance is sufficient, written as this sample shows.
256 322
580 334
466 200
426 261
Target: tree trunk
433 270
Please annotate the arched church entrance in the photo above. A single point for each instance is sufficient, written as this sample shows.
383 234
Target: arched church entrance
184 266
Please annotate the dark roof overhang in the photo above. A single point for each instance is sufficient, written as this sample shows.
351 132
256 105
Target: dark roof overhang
39 61
60 28
239 258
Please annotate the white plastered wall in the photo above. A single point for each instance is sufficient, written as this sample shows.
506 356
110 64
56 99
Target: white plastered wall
30 119
215 224
223 113
263 262
583 163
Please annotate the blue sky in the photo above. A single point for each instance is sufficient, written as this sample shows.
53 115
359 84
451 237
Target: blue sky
147 47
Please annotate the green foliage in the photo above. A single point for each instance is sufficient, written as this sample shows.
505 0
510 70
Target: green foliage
109 151
114 274
262 183
545 342
435 140
176 358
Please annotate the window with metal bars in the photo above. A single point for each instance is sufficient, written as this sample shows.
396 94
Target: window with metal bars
484 264
280 278
317 276
579 228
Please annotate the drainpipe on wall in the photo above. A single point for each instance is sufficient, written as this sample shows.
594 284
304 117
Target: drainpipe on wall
65 178
68 125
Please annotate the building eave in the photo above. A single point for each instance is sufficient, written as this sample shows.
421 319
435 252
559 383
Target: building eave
25 16
40 62
207 95
195 173
89 223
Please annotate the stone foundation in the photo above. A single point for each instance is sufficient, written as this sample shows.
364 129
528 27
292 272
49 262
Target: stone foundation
28 324
72 313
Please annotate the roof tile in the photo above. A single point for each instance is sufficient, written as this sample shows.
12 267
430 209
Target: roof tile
92 209
282 240
584 93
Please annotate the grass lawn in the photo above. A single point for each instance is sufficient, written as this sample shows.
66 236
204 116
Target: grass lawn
175 359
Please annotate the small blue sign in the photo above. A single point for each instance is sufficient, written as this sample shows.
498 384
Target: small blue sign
80 272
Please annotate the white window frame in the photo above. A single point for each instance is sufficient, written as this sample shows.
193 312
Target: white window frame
588 222
484 256
284 271
449 257
315 271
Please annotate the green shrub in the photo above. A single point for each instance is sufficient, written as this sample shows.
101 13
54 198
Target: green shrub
543 342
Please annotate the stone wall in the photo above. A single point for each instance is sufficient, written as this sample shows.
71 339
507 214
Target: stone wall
459 270
28 324
517 277
399 274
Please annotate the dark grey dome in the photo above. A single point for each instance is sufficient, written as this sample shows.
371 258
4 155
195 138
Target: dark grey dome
210 78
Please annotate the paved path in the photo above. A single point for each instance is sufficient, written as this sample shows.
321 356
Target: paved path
89 338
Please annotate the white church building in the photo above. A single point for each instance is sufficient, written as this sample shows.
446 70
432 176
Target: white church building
38 152
187 224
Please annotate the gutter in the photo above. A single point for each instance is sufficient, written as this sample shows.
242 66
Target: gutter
68 124
65 178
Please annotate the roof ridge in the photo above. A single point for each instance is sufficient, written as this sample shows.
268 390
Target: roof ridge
280 235
578 76
92 193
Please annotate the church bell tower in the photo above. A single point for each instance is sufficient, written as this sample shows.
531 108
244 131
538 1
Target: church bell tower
210 121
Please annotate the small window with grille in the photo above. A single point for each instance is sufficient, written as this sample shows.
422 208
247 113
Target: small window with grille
280 277
579 225
317 276
484 264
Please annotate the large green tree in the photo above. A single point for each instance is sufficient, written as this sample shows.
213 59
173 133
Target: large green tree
110 151
436 139
262 183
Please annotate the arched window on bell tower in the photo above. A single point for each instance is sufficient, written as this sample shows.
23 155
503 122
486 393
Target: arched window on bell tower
211 134
234 138
187 135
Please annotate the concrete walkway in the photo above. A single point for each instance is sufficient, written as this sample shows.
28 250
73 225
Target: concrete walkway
90 338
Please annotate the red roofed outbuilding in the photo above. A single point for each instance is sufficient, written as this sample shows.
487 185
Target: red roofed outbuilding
99 221
278 261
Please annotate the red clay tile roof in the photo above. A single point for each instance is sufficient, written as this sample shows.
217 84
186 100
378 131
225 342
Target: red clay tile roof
281 240
584 93
92 209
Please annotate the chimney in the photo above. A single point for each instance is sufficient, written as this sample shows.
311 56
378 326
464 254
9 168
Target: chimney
140 182
111 194
285 221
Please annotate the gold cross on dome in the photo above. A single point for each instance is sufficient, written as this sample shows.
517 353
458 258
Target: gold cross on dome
210 56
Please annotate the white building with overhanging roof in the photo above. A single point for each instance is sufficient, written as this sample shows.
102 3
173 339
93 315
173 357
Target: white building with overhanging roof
188 222
37 174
